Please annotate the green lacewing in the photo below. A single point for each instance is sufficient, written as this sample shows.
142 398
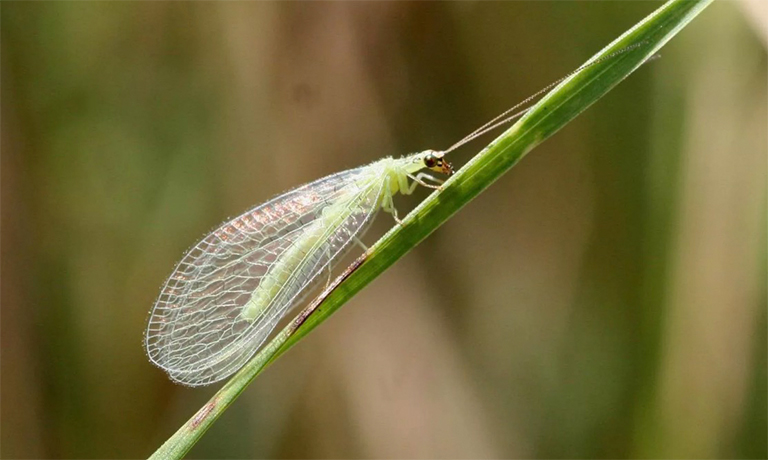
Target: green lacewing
230 290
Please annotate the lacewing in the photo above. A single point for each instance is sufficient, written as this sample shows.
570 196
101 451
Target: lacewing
230 290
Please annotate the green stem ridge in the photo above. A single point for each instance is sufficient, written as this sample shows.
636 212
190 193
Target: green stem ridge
552 112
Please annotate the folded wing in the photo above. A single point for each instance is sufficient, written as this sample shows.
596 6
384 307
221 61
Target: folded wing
196 332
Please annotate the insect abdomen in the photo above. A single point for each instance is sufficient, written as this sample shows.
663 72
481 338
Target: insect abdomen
289 263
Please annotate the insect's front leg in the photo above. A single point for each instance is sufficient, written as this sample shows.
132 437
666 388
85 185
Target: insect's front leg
403 185
412 186
419 179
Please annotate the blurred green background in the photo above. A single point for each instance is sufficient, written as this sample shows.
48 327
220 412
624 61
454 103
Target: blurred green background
607 298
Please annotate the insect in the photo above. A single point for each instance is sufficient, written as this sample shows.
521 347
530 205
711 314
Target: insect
230 290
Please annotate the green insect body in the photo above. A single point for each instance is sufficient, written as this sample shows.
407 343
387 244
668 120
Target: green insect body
388 175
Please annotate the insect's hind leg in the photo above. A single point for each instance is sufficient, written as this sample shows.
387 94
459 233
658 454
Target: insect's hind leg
330 270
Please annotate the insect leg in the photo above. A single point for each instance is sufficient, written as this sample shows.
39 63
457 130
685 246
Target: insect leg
394 215
330 270
388 205
412 185
360 243
422 175
419 179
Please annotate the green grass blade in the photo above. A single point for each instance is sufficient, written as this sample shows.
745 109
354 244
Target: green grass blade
554 111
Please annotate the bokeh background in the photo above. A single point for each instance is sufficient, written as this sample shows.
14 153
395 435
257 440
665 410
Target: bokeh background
606 298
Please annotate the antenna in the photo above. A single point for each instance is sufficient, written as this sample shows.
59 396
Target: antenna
505 117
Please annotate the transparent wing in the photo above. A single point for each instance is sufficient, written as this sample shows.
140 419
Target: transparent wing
196 332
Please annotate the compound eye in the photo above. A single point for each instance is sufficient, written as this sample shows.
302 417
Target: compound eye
430 161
